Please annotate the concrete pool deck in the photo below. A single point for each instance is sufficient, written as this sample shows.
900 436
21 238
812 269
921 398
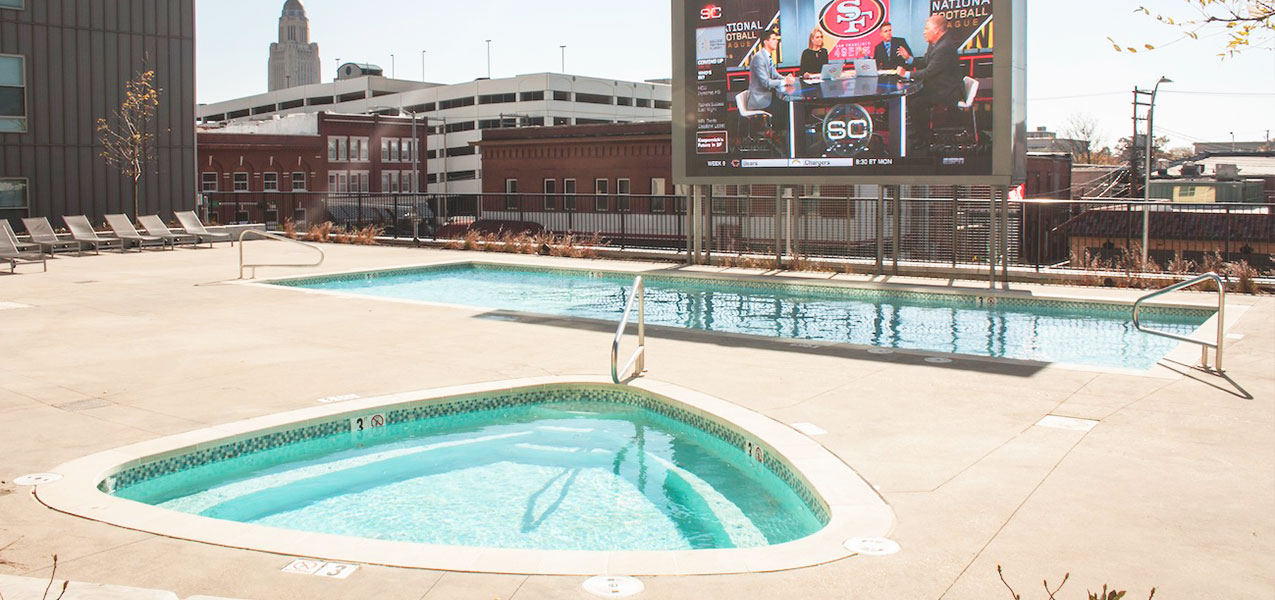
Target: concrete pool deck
1173 488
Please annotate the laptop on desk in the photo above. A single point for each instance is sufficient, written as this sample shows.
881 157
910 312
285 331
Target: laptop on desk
865 67
832 71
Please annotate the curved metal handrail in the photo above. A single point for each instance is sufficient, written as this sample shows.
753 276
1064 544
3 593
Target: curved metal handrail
273 236
638 361
1221 318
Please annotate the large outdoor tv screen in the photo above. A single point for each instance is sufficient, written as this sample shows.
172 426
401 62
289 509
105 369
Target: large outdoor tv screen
843 89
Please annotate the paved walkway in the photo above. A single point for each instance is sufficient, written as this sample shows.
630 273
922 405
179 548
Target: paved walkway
1173 489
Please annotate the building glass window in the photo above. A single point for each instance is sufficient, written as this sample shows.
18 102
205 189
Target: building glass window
359 181
551 188
298 181
208 182
13 94
338 149
385 149
395 153
13 199
18 4
408 178
601 188
270 182
359 149
241 182
562 96
511 191
622 188
569 194
658 204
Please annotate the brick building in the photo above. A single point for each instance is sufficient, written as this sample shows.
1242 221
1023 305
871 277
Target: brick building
269 171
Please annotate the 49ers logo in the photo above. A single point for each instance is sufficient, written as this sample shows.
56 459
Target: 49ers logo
853 18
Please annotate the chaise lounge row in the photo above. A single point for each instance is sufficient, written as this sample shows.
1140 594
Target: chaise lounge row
83 237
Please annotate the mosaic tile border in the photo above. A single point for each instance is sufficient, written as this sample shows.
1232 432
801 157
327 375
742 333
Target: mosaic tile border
955 299
751 448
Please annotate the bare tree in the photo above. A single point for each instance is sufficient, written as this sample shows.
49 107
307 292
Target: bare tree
1086 138
129 143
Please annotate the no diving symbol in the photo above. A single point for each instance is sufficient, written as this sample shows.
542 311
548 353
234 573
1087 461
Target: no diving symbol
378 421
303 567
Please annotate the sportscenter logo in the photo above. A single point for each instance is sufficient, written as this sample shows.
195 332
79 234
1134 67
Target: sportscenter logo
710 142
710 12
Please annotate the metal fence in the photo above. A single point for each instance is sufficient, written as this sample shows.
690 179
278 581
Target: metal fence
951 226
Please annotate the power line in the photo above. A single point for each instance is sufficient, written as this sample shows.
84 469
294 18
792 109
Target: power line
1260 94
1096 95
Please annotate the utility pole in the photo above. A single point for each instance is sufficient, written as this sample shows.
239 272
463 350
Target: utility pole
1133 141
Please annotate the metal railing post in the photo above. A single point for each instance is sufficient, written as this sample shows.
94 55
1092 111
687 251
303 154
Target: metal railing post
1218 346
638 360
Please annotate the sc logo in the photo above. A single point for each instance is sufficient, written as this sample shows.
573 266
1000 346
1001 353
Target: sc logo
847 130
710 12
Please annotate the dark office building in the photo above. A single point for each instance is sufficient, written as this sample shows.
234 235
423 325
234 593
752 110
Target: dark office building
63 65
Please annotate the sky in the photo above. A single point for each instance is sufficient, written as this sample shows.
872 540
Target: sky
1072 67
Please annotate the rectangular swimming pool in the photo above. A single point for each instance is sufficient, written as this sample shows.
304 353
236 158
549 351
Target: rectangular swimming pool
1051 331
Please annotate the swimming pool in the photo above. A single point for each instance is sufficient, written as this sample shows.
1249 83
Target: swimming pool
543 476
571 470
1051 331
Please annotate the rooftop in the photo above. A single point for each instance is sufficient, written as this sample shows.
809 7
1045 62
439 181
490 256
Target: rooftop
1171 488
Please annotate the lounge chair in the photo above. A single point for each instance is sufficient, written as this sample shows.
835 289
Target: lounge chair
9 253
7 229
191 223
44 237
83 234
123 229
155 226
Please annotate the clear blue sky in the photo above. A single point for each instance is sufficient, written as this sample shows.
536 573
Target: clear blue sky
1072 67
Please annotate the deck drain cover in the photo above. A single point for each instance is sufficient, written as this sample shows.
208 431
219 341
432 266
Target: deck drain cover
809 429
881 351
1069 423
37 479
872 546
613 586
938 361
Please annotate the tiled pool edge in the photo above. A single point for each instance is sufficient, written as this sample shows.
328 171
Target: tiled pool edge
854 508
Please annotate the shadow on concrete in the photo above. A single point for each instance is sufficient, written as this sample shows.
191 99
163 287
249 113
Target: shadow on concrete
959 362
1222 382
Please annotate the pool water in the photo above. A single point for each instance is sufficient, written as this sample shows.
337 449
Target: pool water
569 475
1053 332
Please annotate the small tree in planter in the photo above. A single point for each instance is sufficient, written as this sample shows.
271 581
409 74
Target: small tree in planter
129 143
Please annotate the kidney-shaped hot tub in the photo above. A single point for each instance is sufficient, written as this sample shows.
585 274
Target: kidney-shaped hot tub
549 476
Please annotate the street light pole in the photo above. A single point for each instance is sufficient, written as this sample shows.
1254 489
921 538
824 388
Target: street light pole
488 59
1146 188
422 66
564 58
393 70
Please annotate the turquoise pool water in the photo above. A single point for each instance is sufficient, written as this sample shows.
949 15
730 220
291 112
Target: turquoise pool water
1054 332
574 474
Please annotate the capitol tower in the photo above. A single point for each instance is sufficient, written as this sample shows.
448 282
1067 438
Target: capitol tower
294 60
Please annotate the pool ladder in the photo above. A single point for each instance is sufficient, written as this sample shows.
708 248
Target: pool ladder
1204 345
638 362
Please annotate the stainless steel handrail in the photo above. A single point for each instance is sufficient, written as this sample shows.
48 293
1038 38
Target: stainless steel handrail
273 236
638 362
1221 318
